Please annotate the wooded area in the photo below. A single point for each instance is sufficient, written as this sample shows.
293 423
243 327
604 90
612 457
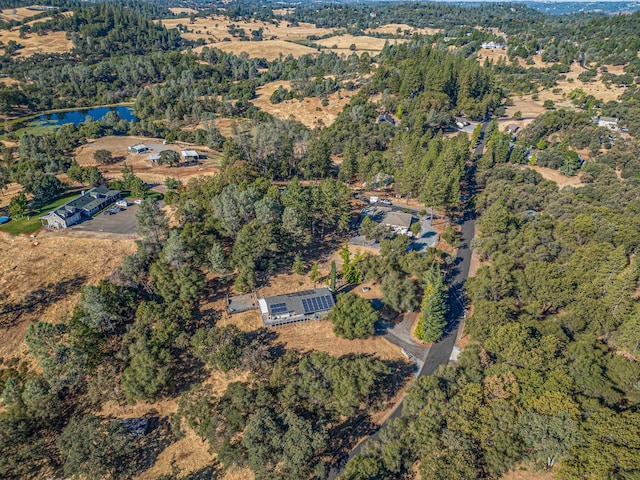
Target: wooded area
549 377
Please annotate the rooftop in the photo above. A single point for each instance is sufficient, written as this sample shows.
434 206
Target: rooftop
391 217
189 153
292 307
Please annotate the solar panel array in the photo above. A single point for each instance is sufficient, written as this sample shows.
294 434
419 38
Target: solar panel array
277 308
315 304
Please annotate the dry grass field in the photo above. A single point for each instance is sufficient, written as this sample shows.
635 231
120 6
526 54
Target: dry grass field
362 43
179 10
216 29
307 111
142 166
392 28
43 282
555 176
52 42
18 14
268 49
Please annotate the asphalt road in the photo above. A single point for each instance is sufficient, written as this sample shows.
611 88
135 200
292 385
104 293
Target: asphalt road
439 353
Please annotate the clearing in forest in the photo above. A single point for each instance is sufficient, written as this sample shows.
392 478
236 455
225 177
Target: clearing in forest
141 163
400 28
217 28
268 49
345 43
48 42
43 281
307 111
20 13
555 176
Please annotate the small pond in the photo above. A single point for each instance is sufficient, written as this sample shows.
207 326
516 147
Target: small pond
78 116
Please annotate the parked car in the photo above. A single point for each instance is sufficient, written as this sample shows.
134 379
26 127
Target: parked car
386 202
137 202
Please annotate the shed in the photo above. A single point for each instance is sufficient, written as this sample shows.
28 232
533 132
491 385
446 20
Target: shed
154 157
138 148
190 155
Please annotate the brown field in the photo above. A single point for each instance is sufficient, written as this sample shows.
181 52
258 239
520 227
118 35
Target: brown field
18 14
392 28
362 43
268 49
215 28
52 42
179 10
43 282
555 176
319 336
307 111
142 166
8 81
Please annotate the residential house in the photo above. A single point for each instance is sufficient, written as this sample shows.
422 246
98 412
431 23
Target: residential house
296 307
493 45
87 204
400 222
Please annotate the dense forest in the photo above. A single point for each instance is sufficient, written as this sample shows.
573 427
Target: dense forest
549 378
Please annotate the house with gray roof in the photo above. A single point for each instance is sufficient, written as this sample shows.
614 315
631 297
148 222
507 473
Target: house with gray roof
86 205
400 222
296 307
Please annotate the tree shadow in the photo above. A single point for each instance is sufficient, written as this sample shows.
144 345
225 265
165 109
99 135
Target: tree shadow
38 300
151 445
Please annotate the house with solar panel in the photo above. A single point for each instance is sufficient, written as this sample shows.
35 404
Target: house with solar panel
296 307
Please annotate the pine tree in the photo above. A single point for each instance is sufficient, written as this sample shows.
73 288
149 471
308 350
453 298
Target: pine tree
332 284
315 274
434 308
298 264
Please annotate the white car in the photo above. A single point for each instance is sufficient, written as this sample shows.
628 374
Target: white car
137 202
386 202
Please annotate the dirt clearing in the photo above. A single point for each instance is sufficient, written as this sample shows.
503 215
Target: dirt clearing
555 176
43 282
141 163
307 111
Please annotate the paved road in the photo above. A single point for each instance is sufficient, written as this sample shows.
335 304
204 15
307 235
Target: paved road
440 353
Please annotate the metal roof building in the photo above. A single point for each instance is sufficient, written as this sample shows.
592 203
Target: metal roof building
295 307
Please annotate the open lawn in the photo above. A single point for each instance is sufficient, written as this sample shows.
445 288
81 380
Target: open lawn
32 222
42 282
307 111
51 42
